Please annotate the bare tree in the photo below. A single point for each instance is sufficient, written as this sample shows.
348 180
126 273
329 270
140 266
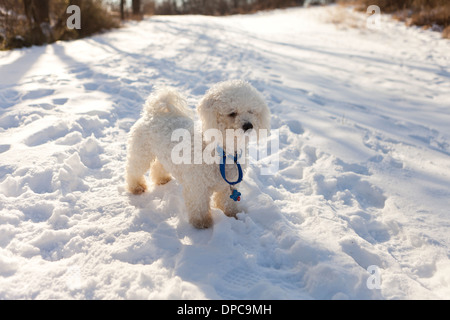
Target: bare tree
222 7
148 7
76 2
37 13
166 7
122 9
136 4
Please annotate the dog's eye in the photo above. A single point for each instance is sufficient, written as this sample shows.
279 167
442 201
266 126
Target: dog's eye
233 114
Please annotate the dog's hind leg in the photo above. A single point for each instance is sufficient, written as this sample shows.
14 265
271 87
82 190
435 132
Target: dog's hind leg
137 166
158 174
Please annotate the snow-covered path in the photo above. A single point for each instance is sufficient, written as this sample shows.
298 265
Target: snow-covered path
364 177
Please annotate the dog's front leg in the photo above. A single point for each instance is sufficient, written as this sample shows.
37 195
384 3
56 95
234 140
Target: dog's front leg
197 204
223 201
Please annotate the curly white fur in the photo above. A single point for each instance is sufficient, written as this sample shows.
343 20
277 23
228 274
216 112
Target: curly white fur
228 105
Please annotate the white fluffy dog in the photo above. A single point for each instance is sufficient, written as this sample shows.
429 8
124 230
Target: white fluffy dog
228 105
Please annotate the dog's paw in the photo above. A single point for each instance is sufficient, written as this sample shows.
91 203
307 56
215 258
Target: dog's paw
231 209
202 223
232 213
163 180
138 189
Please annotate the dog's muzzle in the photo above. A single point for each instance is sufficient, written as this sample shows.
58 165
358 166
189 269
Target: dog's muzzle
247 126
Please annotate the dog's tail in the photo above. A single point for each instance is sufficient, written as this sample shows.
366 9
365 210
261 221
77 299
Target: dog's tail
166 101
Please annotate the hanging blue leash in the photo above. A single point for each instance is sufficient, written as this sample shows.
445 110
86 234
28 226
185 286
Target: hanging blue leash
235 195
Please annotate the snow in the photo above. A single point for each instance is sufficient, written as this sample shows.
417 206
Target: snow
364 164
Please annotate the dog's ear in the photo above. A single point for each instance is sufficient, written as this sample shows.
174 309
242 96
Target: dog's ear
205 104
207 110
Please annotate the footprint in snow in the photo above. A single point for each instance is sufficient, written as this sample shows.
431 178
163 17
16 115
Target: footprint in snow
60 101
362 255
295 126
36 94
4 147
47 134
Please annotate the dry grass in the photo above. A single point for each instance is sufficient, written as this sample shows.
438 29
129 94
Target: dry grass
343 17
446 33
424 13
429 16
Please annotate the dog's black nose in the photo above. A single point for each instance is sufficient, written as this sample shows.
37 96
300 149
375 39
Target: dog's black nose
247 126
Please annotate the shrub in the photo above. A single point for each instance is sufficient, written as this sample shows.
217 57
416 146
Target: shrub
94 18
19 28
13 24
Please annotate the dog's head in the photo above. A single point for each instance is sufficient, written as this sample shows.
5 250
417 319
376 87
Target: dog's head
234 105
